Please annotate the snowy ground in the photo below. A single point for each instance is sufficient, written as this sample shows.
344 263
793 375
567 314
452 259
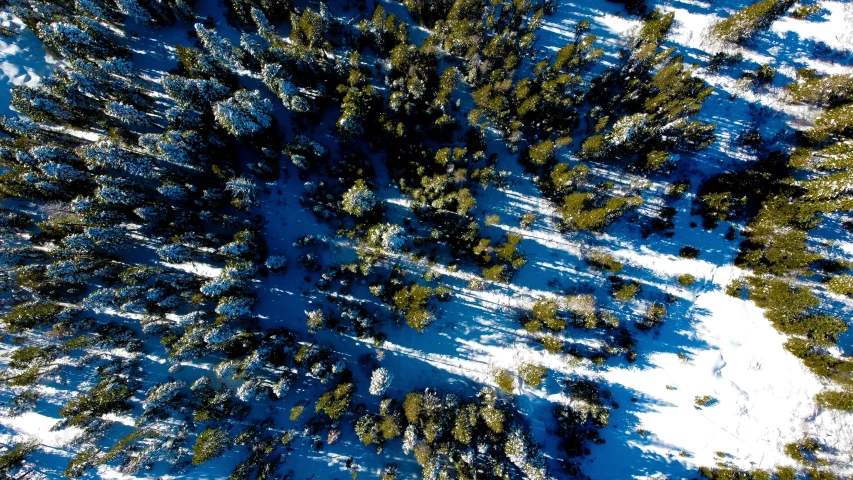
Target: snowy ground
711 344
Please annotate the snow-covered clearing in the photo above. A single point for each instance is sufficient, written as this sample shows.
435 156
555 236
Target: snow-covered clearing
711 344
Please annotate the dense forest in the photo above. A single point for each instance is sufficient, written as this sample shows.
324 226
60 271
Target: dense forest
297 239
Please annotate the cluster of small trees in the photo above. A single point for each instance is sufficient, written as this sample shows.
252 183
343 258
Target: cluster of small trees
448 435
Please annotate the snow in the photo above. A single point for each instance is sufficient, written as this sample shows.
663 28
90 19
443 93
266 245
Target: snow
710 344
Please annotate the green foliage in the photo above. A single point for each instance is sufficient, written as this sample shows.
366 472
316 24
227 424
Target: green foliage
789 308
552 344
413 301
654 317
803 12
209 444
624 290
413 406
689 252
836 400
109 395
765 73
581 211
14 455
748 21
565 180
542 152
732 473
532 374
309 28
505 380
496 273
602 261
686 280
26 316
834 122
841 284
825 91
336 402
803 451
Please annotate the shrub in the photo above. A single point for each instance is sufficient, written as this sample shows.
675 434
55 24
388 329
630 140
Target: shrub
532 374
581 210
495 273
802 451
765 73
624 291
603 261
552 344
841 285
686 280
542 152
836 400
336 402
26 316
14 456
689 252
504 380
209 444
654 316
735 288
748 21
526 220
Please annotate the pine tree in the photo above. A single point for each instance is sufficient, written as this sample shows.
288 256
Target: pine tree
245 114
380 380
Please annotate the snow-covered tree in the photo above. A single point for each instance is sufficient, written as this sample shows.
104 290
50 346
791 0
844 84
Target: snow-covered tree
386 235
265 28
276 263
359 199
234 306
315 320
174 253
133 9
220 285
220 47
245 114
380 380
191 92
162 396
126 114
243 189
72 41
39 104
110 154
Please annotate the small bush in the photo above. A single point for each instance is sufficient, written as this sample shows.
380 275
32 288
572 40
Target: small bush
748 21
689 252
532 374
526 220
678 189
603 261
209 444
624 291
552 344
836 400
805 11
765 73
686 280
654 317
505 381
735 288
